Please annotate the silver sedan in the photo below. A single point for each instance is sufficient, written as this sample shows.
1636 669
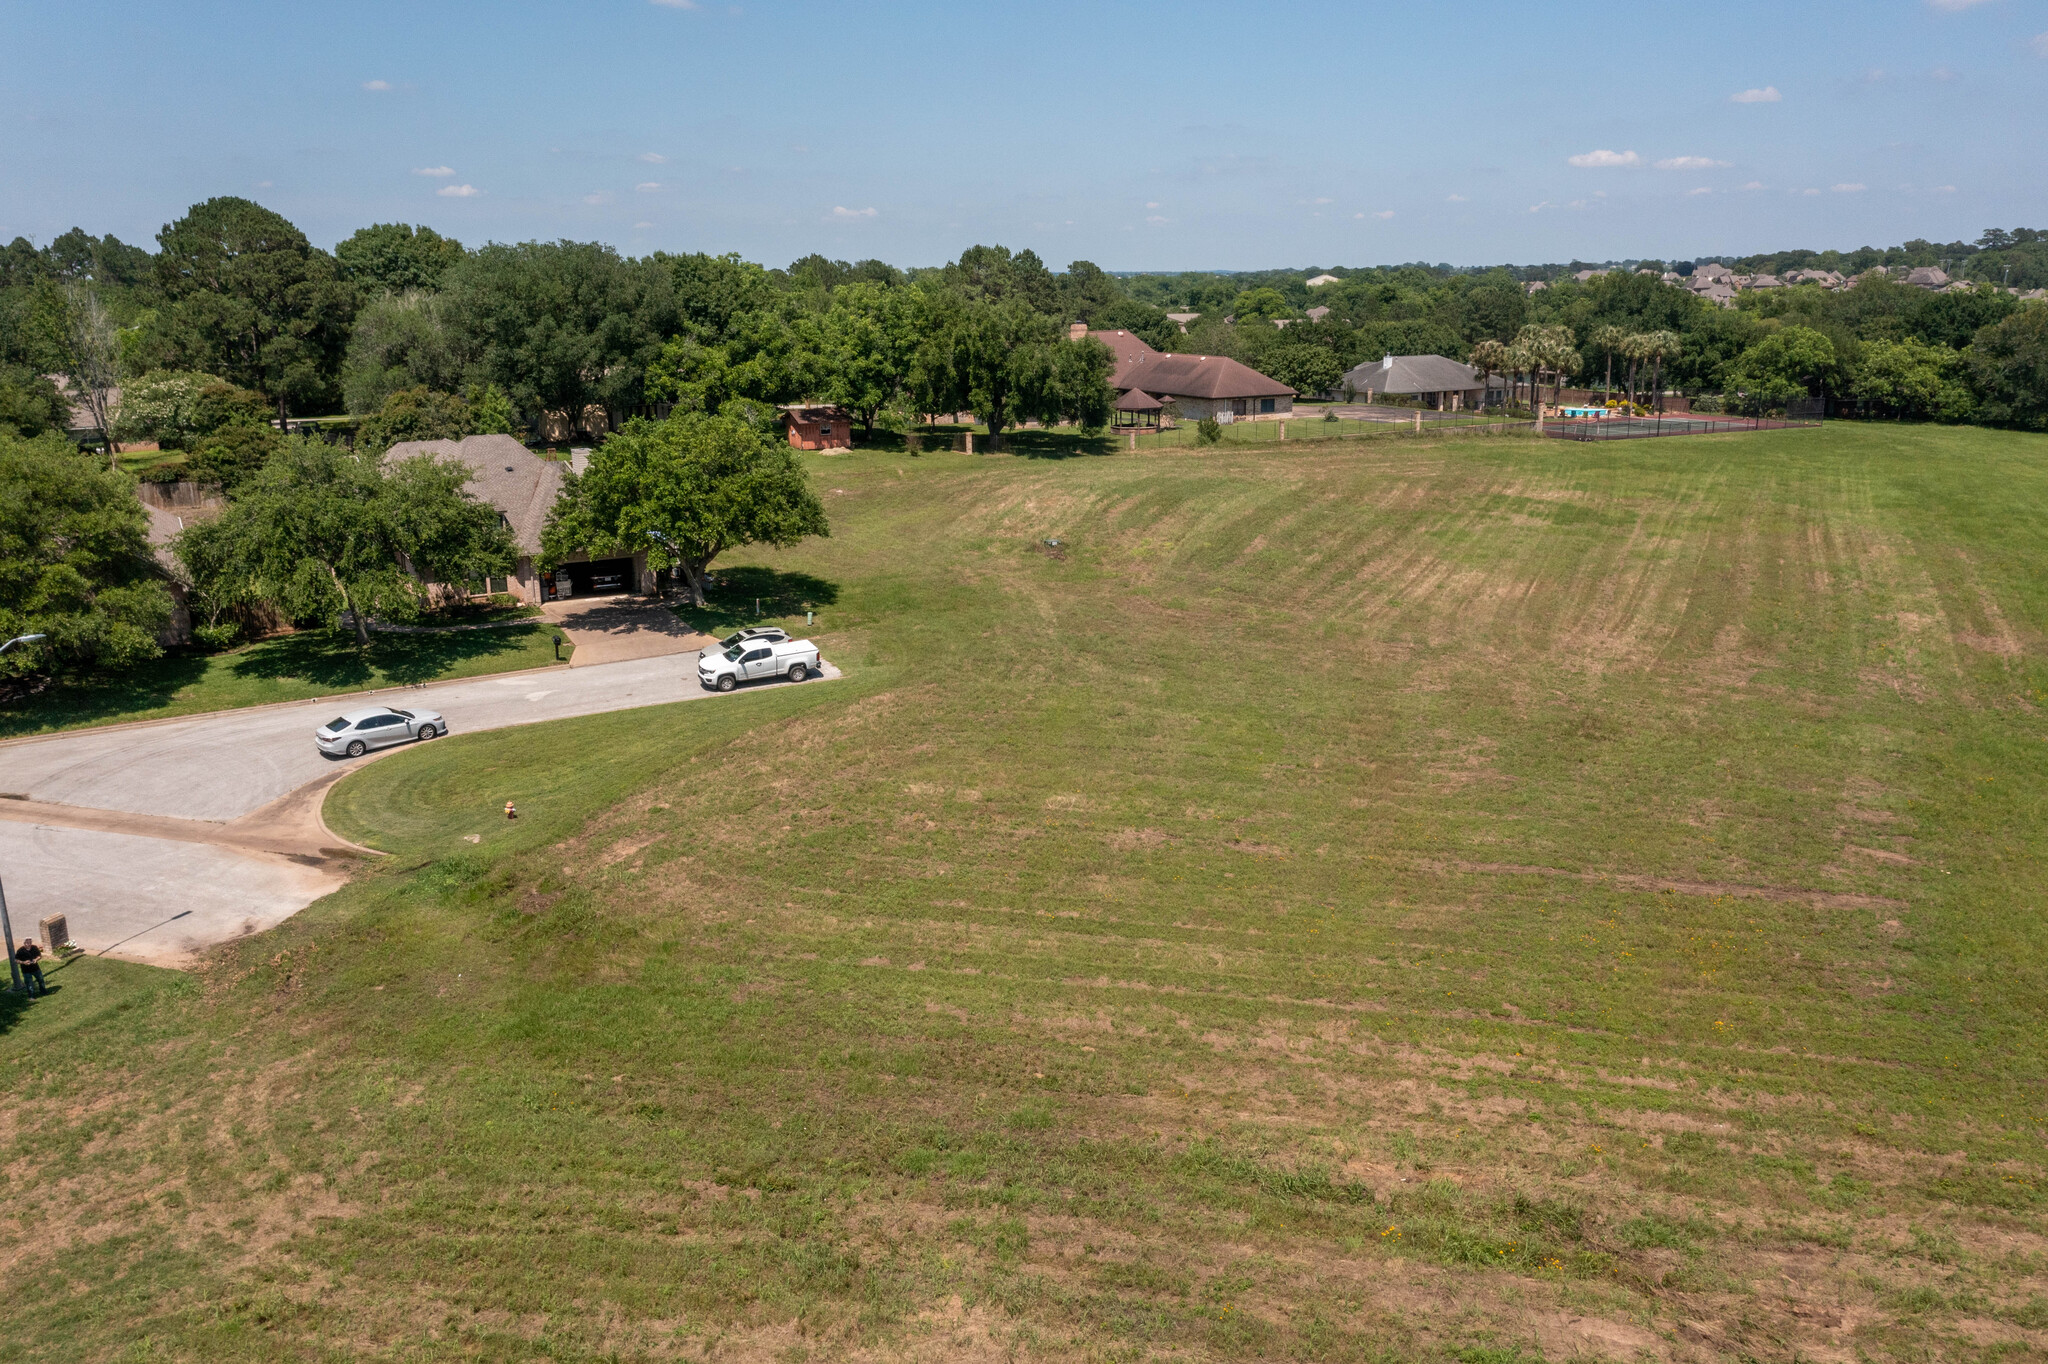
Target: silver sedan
359 731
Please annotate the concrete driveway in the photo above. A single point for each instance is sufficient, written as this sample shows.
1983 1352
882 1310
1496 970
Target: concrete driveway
614 629
126 829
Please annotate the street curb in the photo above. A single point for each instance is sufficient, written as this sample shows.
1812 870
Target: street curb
121 725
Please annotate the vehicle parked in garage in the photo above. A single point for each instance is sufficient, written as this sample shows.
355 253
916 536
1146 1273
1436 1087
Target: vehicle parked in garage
359 731
756 660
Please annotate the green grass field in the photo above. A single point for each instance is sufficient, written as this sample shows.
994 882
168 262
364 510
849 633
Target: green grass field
1444 899
287 668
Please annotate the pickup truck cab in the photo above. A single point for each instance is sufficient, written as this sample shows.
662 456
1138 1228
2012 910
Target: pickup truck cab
753 660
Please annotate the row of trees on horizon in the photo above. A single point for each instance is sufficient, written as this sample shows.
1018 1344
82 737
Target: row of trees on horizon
236 321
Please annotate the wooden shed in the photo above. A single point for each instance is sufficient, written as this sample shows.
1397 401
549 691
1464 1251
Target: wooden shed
819 428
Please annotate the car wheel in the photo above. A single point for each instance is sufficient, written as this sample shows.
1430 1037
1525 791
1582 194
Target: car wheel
797 672
727 682
428 731
357 748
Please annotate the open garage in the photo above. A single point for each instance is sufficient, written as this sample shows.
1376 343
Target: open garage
593 578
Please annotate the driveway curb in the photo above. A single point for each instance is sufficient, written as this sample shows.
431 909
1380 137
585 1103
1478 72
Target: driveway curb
120 725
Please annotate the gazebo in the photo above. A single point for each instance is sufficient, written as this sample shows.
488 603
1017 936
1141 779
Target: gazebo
1140 407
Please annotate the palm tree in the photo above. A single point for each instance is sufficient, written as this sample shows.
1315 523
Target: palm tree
1548 348
1607 340
1521 360
1560 352
1489 357
1635 348
1660 344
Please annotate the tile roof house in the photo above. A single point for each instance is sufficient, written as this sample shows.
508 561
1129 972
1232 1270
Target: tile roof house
523 487
1711 271
1317 314
1199 386
1128 348
1203 386
1181 320
1926 277
1440 382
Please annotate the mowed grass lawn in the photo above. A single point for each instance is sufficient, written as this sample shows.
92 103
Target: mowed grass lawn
294 667
1423 899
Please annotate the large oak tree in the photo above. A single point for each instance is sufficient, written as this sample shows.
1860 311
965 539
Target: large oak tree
255 302
685 490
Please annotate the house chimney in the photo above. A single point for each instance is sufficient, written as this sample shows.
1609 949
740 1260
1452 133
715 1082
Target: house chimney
1387 363
1077 331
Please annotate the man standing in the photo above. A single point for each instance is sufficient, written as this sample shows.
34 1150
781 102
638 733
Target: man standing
29 955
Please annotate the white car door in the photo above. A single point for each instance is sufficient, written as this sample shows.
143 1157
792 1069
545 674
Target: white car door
757 662
384 729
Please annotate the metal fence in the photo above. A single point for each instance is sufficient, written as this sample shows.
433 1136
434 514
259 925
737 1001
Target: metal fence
1692 424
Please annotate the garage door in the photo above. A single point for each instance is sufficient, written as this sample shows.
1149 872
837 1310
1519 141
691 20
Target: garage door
601 578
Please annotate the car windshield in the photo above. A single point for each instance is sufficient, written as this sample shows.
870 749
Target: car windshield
730 640
338 724
732 655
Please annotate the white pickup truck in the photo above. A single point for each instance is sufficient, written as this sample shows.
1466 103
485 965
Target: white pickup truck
755 659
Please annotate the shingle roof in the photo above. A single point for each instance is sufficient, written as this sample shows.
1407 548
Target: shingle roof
1201 376
1411 374
1138 400
502 472
1128 350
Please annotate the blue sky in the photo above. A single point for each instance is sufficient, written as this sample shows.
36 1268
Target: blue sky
1136 134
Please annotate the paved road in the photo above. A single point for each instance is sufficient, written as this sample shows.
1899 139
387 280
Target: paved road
207 772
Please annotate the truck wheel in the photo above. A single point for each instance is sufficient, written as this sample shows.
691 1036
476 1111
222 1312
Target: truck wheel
727 682
797 672
357 748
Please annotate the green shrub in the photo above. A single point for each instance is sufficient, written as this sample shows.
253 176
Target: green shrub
1208 431
220 636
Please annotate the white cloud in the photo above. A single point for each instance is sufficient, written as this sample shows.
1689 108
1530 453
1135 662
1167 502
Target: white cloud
1701 190
1944 189
1942 73
1322 201
437 172
653 158
1690 163
265 184
1151 205
648 186
1604 157
1456 199
1538 208
377 85
598 198
1576 203
1768 95
2039 42
1953 6
1384 214
1156 219
848 214
1807 191
1848 188
643 225
458 191
677 4
1754 184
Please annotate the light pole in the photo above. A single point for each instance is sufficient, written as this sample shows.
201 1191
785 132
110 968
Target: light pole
6 924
